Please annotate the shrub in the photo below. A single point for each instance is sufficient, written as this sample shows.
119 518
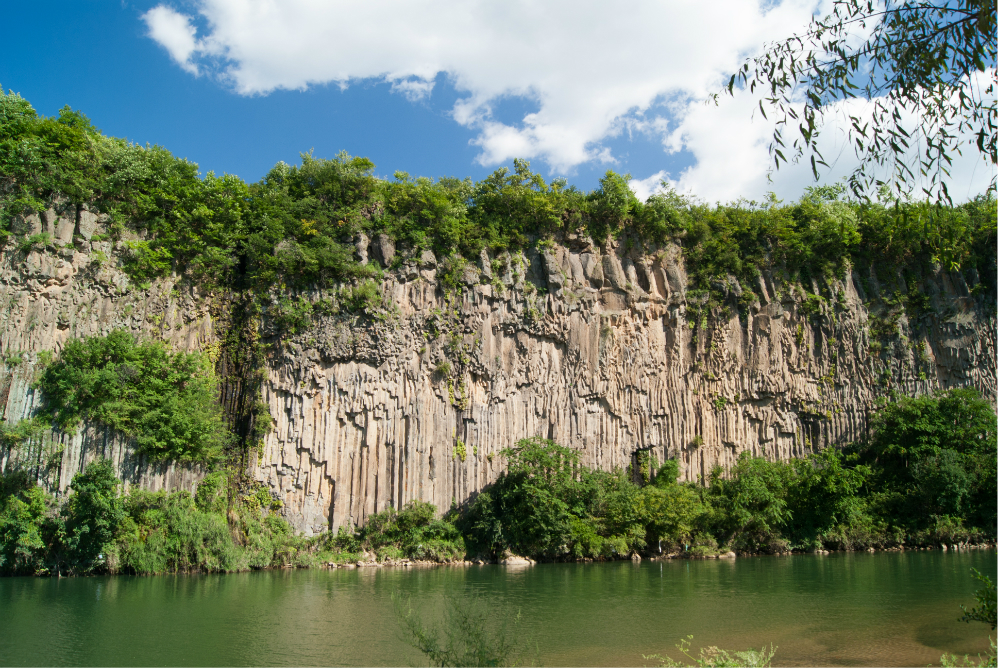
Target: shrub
547 506
168 533
413 532
935 457
27 526
165 401
92 514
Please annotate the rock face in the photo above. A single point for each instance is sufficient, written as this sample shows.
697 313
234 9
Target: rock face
72 288
604 353
604 350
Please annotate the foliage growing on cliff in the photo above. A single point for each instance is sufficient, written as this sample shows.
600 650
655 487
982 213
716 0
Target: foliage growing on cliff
165 401
298 225
100 530
925 477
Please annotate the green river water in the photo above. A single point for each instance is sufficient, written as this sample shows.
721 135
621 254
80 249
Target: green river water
840 609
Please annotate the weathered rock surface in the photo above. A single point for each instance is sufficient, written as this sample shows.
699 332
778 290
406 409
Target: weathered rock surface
601 349
607 358
68 290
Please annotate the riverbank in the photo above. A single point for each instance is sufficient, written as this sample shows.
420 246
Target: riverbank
370 561
937 490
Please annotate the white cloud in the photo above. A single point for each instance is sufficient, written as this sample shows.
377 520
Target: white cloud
731 140
589 65
592 70
645 188
414 90
175 33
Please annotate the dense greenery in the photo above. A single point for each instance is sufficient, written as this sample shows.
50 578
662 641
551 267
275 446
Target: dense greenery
546 505
166 401
298 224
99 529
411 533
927 476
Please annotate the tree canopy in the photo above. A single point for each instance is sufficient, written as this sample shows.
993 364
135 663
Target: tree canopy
927 69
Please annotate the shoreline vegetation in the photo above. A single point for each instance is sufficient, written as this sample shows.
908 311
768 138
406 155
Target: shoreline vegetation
925 477
924 480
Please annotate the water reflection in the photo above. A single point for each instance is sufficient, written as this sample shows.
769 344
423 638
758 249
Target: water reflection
839 609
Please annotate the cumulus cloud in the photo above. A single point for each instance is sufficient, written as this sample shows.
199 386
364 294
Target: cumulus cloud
591 70
645 188
589 65
175 33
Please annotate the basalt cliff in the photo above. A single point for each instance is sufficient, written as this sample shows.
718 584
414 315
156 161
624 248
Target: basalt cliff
603 348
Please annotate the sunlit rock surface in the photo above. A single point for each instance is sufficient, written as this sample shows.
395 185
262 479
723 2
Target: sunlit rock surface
605 350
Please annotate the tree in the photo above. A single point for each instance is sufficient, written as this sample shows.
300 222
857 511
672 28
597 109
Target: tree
26 525
935 455
670 512
922 64
93 514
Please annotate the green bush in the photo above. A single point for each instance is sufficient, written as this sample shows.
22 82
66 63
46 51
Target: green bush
38 537
28 525
165 401
413 532
93 515
178 533
168 533
297 226
548 506
934 458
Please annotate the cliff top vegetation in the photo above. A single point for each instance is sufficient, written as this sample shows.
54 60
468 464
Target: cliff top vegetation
298 224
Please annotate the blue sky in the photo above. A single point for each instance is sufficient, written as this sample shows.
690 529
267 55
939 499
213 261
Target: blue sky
430 87
96 57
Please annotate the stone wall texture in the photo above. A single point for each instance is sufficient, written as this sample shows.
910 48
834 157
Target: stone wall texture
602 349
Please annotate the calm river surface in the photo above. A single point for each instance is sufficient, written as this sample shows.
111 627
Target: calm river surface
841 609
